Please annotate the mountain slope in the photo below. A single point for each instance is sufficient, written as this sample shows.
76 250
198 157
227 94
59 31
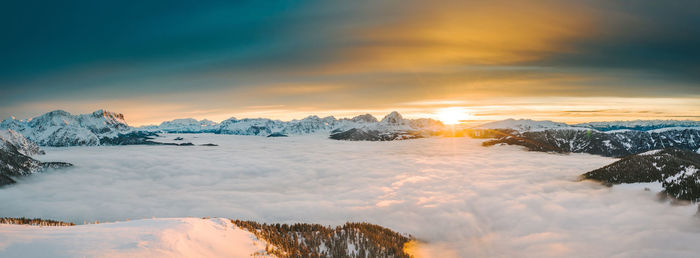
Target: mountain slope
611 144
639 125
195 237
177 237
676 170
22 144
14 161
314 240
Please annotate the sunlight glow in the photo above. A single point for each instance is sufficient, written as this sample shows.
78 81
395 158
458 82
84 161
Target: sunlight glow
452 115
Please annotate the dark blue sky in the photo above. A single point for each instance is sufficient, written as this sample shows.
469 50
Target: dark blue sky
156 60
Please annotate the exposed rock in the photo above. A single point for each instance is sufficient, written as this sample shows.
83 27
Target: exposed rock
132 138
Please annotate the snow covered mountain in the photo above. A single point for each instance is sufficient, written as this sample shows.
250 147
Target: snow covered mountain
612 143
522 125
639 125
15 160
187 125
390 124
22 144
392 127
675 169
60 128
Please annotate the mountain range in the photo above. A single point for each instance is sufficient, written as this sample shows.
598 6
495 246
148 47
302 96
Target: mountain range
60 128
616 138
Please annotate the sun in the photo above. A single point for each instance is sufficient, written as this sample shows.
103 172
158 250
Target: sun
452 115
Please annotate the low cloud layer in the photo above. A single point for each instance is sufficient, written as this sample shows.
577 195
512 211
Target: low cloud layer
461 198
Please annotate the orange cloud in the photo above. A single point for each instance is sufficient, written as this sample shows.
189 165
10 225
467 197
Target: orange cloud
434 35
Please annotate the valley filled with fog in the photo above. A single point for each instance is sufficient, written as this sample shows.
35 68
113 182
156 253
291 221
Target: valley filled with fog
457 196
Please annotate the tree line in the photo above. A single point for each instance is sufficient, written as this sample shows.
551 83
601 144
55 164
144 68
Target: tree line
314 240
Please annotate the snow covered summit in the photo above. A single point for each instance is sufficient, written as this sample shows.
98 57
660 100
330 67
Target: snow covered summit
522 125
187 125
308 125
60 128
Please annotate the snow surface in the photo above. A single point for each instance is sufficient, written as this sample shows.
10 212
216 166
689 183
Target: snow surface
666 129
177 237
654 187
465 200
651 152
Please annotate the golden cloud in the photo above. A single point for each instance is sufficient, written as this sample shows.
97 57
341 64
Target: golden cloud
435 35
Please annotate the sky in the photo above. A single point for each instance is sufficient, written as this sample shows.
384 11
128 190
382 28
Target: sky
569 61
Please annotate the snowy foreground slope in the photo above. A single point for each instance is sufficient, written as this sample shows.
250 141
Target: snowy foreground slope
178 237
193 237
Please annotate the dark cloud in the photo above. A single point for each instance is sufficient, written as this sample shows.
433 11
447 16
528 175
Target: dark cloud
649 37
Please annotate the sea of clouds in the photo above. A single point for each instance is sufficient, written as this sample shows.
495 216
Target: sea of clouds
462 199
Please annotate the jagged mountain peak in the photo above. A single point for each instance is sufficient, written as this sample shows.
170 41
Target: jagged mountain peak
60 128
57 112
207 122
393 118
366 118
108 115
186 125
